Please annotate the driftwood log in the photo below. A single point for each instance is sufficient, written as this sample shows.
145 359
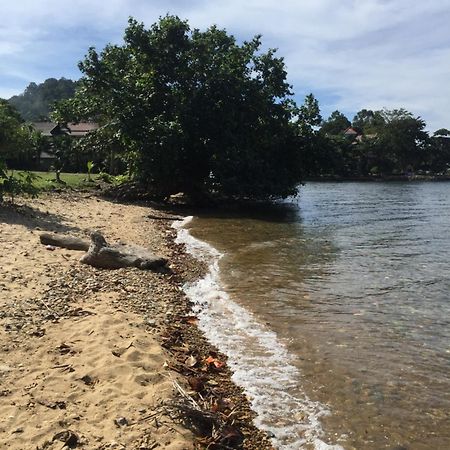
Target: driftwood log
105 256
69 242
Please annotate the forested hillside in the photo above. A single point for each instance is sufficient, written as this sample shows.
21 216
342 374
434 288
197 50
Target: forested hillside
36 102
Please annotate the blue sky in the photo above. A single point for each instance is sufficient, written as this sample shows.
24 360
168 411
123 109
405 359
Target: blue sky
351 54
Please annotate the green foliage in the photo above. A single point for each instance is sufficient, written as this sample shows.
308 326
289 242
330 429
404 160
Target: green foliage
403 140
21 183
390 142
368 121
193 111
62 148
90 165
442 132
309 117
335 124
37 101
20 144
439 151
11 129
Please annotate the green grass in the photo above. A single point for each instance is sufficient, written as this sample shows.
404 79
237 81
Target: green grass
47 180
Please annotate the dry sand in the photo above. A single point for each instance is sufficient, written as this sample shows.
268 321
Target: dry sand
88 357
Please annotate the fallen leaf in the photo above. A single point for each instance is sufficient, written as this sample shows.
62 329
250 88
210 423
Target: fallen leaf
191 361
196 384
215 362
191 320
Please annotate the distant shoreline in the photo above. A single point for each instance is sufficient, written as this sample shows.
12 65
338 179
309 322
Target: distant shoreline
415 178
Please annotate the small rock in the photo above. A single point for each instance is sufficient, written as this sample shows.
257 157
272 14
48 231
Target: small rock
121 422
88 380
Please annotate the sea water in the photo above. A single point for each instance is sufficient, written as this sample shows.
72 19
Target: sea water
333 308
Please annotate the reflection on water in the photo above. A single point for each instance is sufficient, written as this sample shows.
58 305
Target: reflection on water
354 278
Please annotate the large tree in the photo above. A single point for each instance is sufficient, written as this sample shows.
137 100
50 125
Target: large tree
194 110
403 139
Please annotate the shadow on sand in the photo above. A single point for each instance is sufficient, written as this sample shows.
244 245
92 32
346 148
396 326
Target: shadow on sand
33 218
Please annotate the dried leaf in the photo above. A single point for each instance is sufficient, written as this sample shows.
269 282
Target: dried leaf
196 384
215 362
191 320
191 361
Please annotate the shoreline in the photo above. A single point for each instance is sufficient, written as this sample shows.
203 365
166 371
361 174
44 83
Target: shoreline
64 368
378 179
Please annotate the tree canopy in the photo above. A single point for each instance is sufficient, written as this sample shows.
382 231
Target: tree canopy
12 132
194 111
388 142
335 124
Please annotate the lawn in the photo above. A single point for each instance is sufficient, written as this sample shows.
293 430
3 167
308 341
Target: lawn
45 180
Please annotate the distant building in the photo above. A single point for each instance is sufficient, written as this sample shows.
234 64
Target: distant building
71 129
48 129
351 132
51 129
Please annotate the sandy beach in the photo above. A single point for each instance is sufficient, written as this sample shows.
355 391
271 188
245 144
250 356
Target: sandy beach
106 359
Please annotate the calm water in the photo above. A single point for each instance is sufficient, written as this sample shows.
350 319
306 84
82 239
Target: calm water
352 281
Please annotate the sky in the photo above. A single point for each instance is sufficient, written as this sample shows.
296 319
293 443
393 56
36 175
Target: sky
351 54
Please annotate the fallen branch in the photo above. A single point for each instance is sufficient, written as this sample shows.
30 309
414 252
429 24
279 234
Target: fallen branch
69 242
105 256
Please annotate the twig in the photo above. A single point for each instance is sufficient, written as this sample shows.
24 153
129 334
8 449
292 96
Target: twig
48 307
186 396
150 416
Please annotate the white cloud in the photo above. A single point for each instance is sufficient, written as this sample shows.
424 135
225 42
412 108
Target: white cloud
354 54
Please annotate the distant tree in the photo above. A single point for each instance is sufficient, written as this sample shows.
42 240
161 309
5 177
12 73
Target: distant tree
439 152
16 139
309 117
308 121
37 101
403 139
61 147
442 132
194 111
14 135
367 121
335 124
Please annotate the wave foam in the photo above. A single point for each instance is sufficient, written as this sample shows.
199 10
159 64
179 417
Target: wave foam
260 362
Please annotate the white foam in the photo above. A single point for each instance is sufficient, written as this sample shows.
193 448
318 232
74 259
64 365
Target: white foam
259 360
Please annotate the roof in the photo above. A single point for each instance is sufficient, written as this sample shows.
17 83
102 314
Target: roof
71 129
351 131
82 128
44 127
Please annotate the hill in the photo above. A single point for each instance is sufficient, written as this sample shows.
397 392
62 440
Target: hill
35 103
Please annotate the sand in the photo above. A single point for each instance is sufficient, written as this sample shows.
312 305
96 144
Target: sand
97 374
103 359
